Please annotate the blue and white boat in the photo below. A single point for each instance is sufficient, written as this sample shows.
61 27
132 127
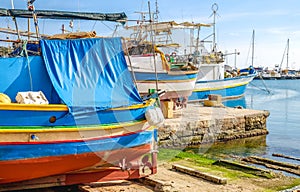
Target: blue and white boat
72 114
228 88
214 77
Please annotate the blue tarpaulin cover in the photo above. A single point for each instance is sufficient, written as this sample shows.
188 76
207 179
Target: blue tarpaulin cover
15 75
90 73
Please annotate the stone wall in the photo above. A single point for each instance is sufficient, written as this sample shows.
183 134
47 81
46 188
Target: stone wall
198 125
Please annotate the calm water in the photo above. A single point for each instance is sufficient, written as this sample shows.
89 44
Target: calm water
283 124
284 106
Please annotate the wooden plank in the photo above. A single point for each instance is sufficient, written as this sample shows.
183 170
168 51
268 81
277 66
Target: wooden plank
246 168
276 165
285 156
197 173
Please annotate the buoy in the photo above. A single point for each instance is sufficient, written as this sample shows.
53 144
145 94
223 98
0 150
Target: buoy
4 98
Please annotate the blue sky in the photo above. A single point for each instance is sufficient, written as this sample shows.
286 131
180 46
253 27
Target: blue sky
273 21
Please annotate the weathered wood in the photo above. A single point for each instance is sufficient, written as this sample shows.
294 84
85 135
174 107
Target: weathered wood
51 181
246 168
17 41
287 167
278 163
157 185
197 173
92 187
285 156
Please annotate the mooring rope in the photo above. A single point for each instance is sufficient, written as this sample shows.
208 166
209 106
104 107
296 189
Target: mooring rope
24 53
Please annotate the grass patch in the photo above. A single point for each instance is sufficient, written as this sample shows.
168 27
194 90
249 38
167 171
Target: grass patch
201 163
234 173
173 155
245 168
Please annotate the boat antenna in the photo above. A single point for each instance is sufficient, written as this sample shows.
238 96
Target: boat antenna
156 11
214 8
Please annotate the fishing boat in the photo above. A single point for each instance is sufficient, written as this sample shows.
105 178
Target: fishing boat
156 68
214 78
156 73
72 114
228 88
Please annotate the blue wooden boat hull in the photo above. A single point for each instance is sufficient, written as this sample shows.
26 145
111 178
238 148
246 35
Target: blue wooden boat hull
228 88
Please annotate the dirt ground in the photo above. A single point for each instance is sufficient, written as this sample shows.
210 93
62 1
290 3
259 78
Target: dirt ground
173 181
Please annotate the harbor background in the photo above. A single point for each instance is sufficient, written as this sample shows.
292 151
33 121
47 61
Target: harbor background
283 103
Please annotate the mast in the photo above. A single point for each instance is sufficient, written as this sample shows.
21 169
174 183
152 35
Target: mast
197 42
252 60
12 4
287 53
214 8
15 20
31 8
152 44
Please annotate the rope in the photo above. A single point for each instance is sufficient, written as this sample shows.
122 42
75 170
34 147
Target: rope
24 53
130 64
266 88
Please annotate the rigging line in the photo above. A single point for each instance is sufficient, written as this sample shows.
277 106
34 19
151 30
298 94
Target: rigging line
263 81
265 89
110 28
285 52
94 26
130 63
142 5
25 53
78 9
249 51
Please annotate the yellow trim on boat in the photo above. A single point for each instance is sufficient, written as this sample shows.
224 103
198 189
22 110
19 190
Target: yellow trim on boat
59 107
71 129
183 72
137 106
221 87
34 107
167 81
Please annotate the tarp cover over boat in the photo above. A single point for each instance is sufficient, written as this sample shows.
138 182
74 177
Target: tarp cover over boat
89 74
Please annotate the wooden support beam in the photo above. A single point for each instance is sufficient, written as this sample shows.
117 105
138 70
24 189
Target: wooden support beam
197 173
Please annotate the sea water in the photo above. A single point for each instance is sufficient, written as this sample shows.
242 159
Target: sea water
283 103
282 99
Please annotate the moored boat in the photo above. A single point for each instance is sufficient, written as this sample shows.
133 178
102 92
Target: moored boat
73 115
157 73
214 78
228 88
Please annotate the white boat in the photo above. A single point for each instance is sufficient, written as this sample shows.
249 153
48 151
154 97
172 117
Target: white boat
213 78
154 68
228 88
156 74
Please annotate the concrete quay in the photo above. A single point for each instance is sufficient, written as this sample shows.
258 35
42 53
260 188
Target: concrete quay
196 124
